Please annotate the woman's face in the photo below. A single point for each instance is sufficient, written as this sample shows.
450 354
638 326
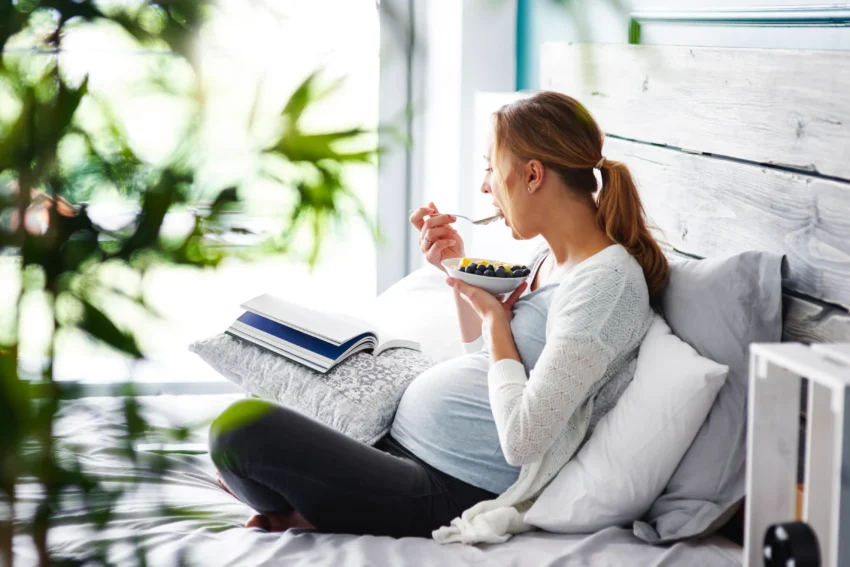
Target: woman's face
499 182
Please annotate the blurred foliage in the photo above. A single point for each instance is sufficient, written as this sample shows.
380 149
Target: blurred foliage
634 31
45 223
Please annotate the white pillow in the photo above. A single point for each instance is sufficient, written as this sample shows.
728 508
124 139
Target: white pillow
420 307
634 450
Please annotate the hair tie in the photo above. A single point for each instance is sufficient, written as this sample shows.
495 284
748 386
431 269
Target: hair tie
600 162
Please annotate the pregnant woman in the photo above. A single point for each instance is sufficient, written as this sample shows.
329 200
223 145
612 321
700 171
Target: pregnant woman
477 438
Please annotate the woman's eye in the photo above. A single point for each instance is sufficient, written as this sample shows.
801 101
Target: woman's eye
488 169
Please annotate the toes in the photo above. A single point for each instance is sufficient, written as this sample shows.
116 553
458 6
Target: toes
259 521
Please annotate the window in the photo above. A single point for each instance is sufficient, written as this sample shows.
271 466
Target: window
252 55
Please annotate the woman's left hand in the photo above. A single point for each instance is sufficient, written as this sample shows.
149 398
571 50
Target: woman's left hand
488 306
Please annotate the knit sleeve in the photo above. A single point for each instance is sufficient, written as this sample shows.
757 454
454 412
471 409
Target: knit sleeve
473 346
531 411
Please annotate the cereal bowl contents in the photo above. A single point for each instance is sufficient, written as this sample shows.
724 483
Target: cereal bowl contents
495 277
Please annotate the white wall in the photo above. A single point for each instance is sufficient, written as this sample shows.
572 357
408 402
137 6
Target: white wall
470 48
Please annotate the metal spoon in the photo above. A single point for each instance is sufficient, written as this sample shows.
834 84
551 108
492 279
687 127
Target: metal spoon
479 222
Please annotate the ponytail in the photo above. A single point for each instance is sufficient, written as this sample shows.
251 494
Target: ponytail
622 217
558 131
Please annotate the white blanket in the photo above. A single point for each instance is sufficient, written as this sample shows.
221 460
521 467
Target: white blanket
214 534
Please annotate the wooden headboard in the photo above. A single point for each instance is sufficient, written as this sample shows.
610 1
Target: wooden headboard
733 149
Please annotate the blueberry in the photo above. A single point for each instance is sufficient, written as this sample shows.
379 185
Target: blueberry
515 268
501 269
471 268
489 273
502 274
480 269
461 269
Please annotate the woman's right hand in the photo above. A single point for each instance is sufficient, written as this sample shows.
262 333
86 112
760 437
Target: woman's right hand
438 240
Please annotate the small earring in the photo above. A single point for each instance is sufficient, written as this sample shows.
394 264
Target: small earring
529 188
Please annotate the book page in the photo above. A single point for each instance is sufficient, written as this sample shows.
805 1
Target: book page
336 328
396 343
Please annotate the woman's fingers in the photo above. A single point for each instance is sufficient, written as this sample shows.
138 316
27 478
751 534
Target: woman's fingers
438 220
512 298
417 218
482 301
435 251
435 234
426 245
470 293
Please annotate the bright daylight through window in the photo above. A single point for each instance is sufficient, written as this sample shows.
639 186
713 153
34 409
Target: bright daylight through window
252 55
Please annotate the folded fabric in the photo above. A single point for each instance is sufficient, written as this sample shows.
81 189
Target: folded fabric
628 460
358 397
719 306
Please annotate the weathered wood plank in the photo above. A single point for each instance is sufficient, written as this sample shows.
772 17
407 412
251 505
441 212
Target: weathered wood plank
810 322
709 207
784 107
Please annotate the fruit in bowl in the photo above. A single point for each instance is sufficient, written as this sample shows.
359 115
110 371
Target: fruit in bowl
494 277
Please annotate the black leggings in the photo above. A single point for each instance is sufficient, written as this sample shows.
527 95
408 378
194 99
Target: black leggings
276 460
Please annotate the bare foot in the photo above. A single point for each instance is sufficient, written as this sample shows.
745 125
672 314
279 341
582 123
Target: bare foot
279 522
259 521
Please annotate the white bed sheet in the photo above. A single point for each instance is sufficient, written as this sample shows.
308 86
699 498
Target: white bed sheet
215 536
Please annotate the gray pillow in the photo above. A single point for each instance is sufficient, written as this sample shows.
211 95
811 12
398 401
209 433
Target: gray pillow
358 397
719 306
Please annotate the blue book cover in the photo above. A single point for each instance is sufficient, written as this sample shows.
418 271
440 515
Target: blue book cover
298 338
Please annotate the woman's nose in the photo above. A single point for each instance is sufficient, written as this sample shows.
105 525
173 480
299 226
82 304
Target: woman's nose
485 188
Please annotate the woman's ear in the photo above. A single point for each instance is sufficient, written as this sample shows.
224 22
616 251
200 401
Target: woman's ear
534 173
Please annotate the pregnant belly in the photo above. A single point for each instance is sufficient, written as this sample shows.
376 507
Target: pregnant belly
445 419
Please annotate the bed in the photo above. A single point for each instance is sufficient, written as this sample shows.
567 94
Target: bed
734 149
212 534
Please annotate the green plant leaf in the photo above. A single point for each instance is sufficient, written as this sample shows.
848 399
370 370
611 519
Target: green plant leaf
53 119
299 147
300 98
634 31
15 417
15 145
156 202
225 198
97 324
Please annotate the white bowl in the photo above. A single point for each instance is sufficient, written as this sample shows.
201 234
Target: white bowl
496 286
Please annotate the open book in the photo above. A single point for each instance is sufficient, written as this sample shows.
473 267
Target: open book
314 338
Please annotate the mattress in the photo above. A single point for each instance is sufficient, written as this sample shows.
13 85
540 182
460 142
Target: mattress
209 532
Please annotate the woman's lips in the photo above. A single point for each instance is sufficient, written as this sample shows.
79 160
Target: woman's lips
501 213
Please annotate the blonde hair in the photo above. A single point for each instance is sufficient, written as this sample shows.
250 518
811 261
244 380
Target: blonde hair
558 131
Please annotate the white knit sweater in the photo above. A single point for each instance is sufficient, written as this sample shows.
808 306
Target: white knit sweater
596 322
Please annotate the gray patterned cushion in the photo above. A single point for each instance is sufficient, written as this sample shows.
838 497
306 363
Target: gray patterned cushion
358 397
